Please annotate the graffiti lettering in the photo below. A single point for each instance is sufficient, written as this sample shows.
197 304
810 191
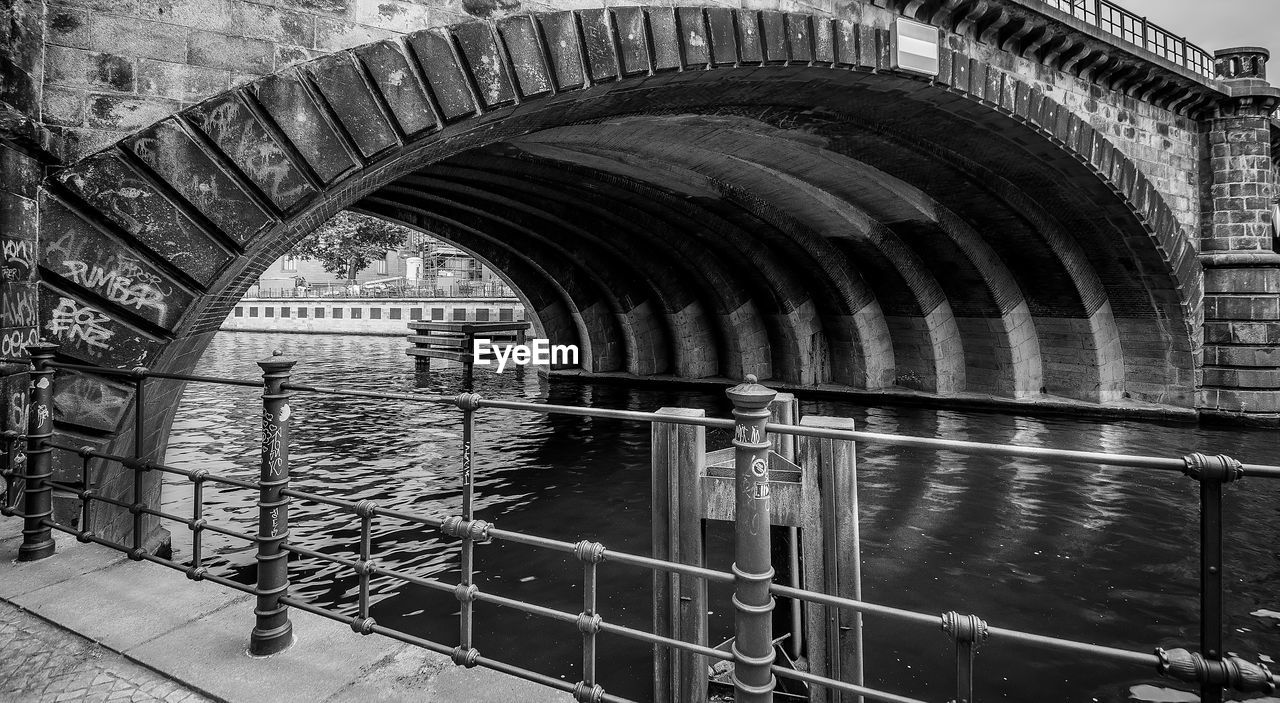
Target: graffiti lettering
122 280
271 445
18 409
18 251
80 323
15 343
19 308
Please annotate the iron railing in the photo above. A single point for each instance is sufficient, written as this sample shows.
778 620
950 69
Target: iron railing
755 672
491 289
1137 30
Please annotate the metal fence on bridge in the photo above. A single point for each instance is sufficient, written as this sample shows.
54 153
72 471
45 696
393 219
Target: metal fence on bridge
755 672
1137 30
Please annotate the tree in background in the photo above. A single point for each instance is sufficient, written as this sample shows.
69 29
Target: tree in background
348 243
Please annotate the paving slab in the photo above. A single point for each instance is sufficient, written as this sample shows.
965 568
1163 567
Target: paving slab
153 600
193 639
24 577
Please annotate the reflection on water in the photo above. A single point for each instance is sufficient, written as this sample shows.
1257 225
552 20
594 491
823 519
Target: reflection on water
1085 552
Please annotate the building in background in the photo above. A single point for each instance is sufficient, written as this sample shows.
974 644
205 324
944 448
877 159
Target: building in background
423 267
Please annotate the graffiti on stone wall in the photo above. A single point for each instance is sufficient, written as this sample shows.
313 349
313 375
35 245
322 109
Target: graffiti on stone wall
201 189
254 150
19 305
79 323
14 342
122 280
19 256
94 262
90 402
16 418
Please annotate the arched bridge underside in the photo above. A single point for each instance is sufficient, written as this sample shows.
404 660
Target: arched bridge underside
681 192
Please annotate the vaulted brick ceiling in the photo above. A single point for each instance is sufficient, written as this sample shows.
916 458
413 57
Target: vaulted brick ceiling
866 244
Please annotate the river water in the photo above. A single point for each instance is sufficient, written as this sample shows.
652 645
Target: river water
1083 552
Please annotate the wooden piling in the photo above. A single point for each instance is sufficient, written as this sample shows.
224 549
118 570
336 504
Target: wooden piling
679 602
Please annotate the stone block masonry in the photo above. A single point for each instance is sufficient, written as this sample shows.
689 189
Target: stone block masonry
113 67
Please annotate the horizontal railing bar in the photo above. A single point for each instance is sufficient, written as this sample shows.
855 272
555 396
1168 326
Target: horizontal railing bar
855 605
304 552
188 473
243 588
204 379
1127 656
548 409
417 580
355 393
984 448
548 681
531 608
409 517
531 540
543 679
349 505
176 566
841 685
645 636
710 575
611 556
1123 655
229 532
147 373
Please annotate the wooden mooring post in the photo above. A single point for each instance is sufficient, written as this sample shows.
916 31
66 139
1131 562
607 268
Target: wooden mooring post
813 490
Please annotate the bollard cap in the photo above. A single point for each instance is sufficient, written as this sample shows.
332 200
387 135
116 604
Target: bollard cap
277 360
750 395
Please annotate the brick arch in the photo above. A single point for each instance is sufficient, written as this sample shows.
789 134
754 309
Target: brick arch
202 201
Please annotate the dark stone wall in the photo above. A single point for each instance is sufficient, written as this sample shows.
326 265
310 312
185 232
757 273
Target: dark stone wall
22 166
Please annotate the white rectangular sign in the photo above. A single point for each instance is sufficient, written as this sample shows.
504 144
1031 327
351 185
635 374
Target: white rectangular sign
915 47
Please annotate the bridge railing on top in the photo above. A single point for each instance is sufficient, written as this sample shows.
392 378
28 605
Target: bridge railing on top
755 673
1137 30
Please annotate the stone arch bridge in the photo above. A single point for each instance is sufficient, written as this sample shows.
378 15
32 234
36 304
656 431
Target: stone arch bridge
1056 215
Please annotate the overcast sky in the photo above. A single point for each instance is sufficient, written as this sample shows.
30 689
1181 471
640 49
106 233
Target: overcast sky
1218 24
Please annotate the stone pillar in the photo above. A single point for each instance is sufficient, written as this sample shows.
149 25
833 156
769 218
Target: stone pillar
1237 246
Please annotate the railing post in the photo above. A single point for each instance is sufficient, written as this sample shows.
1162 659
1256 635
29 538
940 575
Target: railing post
37 494
273 632
753 682
139 455
968 632
1211 472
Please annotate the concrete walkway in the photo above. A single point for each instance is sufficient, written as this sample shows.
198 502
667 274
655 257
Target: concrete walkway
88 622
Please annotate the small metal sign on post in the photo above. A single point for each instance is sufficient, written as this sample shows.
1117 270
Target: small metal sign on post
914 47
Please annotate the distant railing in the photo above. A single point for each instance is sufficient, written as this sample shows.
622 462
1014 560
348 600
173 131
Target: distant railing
464 289
755 674
1137 30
